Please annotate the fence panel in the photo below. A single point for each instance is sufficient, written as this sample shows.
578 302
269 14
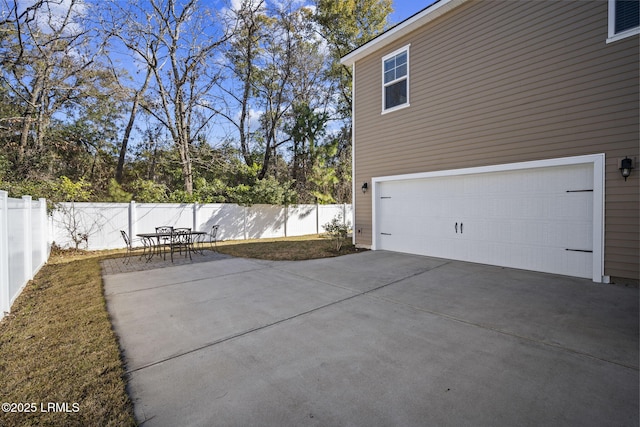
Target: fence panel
152 215
85 224
39 232
101 222
230 218
264 221
24 245
302 220
113 217
326 213
348 215
17 245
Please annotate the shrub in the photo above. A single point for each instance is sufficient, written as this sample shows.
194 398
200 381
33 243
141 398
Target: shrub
147 191
338 231
115 193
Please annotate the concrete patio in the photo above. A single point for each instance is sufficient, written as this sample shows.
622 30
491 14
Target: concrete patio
374 339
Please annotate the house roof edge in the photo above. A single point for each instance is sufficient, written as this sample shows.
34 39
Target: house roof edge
414 22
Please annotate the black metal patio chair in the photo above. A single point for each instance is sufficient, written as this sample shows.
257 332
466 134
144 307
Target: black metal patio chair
164 242
213 237
131 248
181 240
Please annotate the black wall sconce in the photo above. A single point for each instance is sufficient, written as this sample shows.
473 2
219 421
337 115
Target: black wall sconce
626 165
365 187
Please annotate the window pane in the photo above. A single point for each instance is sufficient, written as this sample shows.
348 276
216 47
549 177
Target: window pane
389 76
401 58
389 64
395 94
627 15
401 71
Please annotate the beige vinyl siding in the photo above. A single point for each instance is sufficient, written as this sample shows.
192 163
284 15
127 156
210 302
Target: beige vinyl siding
496 82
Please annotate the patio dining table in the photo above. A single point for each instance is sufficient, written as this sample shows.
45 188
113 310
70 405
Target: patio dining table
153 241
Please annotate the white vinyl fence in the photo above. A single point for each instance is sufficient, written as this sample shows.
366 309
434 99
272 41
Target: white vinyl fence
26 232
24 245
96 226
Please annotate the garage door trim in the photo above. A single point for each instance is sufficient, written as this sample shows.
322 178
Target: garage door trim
596 160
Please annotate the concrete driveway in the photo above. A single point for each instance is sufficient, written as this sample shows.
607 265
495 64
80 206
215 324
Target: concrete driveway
374 339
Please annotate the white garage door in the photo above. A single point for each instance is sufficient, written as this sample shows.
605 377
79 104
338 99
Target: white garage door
535 219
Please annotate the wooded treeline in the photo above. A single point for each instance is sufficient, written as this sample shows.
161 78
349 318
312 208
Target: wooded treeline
168 100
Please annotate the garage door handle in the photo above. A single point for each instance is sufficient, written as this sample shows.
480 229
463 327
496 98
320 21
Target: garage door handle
456 228
460 228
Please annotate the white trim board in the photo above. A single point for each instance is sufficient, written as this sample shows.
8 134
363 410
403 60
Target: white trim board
430 13
597 160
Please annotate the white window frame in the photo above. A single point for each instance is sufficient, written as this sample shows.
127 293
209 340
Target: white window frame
613 36
384 85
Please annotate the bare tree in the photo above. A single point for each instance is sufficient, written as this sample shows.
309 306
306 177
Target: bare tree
119 27
274 62
49 62
242 57
135 103
176 42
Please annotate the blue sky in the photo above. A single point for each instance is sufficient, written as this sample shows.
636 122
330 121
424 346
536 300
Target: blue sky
402 9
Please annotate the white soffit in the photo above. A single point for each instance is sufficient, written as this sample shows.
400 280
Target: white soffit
429 14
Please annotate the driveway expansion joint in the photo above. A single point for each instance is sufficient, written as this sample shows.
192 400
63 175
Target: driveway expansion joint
187 281
268 325
361 292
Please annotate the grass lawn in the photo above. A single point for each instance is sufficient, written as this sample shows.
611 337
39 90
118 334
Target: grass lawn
59 357
57 346
285 249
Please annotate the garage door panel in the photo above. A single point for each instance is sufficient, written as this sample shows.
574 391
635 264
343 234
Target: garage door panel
521 219
578 206
576 263
578 236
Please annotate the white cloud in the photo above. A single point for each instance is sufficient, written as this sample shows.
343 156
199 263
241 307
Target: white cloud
253 119
236 4
59 15
295 3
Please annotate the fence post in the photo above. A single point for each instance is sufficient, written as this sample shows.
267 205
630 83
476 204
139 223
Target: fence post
28 239
44 229
195 217
244 221
317 218
132 219
5 297
286 219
